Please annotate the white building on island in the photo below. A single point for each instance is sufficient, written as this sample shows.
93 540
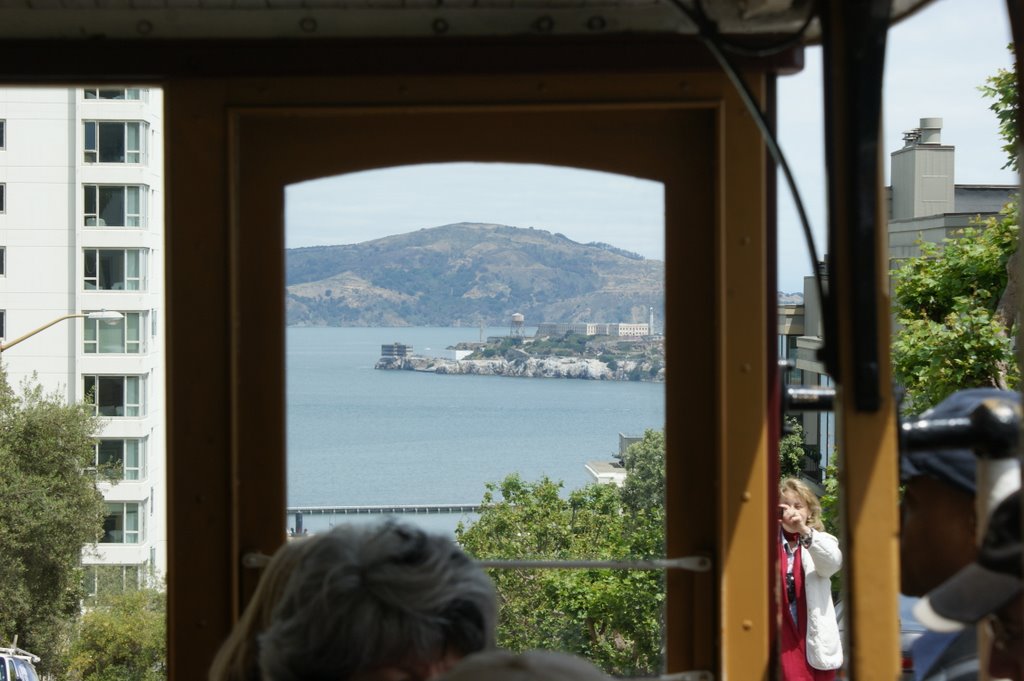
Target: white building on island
593 329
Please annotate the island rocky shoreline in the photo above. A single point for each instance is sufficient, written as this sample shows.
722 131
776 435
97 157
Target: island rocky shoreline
530 367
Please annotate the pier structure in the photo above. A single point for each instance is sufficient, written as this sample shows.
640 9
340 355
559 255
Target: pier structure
384 509
294 514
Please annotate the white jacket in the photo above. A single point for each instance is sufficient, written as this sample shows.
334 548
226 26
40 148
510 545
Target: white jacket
820 561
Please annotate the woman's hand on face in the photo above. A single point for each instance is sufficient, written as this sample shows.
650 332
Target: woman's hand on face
793 519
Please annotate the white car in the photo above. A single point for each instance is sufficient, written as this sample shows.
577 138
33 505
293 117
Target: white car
17 665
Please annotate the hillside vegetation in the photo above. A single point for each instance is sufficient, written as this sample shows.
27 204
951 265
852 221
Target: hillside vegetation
468 274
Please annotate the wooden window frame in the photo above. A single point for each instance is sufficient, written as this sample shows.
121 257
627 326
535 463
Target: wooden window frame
627 124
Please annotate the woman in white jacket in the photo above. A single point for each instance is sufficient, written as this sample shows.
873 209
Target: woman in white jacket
808 557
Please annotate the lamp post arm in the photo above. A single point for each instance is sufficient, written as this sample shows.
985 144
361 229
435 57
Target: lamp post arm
9 344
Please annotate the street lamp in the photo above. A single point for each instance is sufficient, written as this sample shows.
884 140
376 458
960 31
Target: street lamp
109 316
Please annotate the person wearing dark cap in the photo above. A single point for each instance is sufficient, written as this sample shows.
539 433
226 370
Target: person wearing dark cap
938 537
988 590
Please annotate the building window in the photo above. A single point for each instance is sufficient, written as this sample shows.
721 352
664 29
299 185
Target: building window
3 134
131 93
3 323
3 261
3 197
120 458
100 581
114 206
122 524
114 142
115 395
114 336
115 269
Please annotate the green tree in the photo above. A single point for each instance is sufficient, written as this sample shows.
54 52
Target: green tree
955 304
613 617
791 451
122 639
830 511
830 499
955 324
49 508
643 493
1002 89
644 462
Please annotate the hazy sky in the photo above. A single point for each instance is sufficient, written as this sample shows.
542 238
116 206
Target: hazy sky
584 205
936 61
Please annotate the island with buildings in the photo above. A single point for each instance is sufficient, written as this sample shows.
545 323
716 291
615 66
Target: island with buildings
593 351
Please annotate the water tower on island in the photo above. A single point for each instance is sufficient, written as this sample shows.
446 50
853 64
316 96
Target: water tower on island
516 329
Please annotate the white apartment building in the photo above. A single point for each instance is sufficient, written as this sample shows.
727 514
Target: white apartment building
81 230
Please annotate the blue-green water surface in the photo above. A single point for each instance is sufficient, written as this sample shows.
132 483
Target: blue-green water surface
359 436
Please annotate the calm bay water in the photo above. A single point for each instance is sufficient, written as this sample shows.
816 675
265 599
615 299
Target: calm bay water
358 436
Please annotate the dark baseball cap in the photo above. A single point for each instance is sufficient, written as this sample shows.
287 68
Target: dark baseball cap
985 585
953 466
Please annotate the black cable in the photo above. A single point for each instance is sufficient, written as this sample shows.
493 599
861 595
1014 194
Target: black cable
708 32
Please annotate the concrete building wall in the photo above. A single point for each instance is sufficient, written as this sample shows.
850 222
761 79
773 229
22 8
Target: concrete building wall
926 172
46 238
790 320
974 199
904 235
922 173
813 325
926 203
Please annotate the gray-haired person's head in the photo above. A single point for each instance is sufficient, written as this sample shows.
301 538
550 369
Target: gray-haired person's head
373 596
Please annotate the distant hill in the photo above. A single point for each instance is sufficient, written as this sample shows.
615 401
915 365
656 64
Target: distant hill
467 274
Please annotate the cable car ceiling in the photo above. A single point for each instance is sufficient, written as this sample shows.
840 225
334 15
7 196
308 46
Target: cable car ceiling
296 19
